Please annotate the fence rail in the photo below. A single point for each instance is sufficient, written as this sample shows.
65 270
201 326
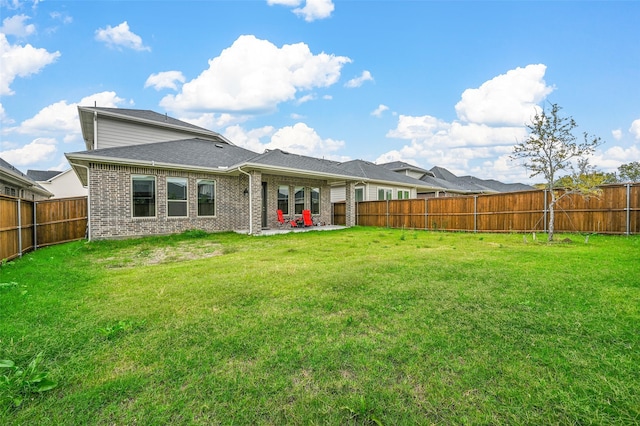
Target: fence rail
615 211
25 225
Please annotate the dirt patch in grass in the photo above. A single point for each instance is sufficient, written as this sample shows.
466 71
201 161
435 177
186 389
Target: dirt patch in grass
149 255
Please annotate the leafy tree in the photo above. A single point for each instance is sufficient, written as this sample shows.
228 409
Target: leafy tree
630 172
595 179
550 148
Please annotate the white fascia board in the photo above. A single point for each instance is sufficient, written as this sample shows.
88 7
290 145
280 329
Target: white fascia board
88 158
290 171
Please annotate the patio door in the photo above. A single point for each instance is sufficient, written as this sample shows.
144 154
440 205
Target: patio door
264 204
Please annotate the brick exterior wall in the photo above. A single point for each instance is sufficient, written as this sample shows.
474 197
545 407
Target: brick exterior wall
111 202
272 198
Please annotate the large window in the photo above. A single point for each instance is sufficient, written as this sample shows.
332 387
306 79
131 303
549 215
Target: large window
359 194
143 196
177 197
299 199
283 199
206 198
315 200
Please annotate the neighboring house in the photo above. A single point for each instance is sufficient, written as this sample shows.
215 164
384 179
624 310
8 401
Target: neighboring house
61 184
378 183
448 184
16 184
148 174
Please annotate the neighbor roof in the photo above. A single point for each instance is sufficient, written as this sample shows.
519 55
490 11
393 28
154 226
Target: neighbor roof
15 176
398 166
42 175
369 171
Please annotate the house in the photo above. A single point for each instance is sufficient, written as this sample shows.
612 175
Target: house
63 184
448 184
147 174
16 184
379 183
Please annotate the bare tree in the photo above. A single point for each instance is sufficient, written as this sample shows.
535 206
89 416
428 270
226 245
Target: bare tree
550 148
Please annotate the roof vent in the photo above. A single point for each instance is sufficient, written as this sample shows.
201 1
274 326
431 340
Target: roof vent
219 145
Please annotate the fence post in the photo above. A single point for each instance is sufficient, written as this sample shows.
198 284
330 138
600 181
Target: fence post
387 213
475 213
35 225
628 209
544 213
19 228
426 214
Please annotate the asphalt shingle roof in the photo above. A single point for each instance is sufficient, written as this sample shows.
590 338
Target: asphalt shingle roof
186 152
42 175
146 114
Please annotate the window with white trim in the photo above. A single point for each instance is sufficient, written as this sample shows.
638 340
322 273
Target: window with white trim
359 194
299 199
283 199
206 197
384 194
143 196
315 200
177 189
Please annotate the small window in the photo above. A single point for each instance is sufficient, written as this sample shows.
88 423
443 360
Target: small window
143 196
176 197
399 195
206 198
359 194
299 199
283 199
315 200
384 194
406 195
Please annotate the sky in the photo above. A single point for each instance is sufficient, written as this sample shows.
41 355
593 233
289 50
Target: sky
432 83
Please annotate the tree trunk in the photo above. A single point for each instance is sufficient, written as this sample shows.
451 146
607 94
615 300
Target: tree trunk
552 216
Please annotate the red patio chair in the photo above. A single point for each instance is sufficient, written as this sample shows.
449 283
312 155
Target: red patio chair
282 221
306 217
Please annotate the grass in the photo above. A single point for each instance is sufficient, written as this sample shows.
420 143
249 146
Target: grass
360 326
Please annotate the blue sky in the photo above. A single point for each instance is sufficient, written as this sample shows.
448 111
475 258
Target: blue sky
433 83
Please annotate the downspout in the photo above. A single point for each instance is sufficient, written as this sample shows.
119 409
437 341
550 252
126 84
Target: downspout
250 201
88 202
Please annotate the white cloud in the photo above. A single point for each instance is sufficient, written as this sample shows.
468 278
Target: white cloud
165 80
358 81
63 117
614 157
306 98
62 17
20 61
617 134
635 128
121 36
16 26
312 10
214 121
508 99
491 120
40 149
255 75
297 139
378 111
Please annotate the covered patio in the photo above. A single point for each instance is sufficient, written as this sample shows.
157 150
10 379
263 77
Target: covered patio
288 229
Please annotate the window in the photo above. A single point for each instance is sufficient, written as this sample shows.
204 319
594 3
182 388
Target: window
359 194
176 197
206 198
384 194
299 199
315 200
144 196
283 199
403 194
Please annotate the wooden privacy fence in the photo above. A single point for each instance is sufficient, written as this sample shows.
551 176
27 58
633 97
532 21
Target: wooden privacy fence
27 225
615 211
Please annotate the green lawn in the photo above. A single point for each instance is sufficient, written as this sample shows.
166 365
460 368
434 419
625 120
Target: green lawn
360 326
